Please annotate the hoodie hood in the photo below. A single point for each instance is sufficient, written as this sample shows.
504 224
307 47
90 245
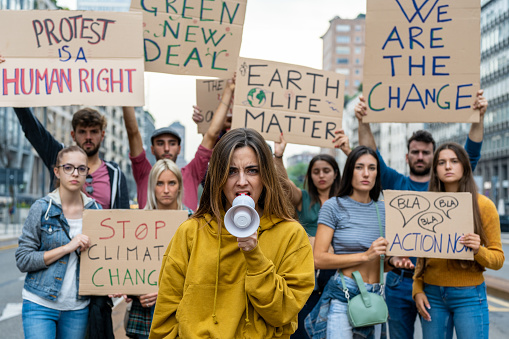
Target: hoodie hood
53 198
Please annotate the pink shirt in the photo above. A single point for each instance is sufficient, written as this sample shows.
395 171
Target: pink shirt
101 186
192 175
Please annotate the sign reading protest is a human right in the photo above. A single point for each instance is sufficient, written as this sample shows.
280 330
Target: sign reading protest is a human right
422 60
192 37
304 104
127 250
428 224
59 58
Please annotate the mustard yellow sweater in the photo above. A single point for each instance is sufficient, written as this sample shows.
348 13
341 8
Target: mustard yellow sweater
441 272
209 288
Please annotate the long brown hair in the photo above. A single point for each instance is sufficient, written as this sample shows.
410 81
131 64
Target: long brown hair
466 184
272 200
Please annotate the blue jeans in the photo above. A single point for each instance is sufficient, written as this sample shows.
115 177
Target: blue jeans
462 308
402 309
43 322
338 325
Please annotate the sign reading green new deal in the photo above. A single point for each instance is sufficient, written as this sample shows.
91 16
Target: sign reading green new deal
192 37
304 104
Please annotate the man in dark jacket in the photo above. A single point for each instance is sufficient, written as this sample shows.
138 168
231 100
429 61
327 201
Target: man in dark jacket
105 183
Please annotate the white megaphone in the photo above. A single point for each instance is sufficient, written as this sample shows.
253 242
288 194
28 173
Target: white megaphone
242 220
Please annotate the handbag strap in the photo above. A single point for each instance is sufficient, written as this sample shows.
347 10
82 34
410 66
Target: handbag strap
357 276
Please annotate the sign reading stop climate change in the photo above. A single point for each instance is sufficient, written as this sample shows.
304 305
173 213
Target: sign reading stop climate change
192 37
56 58
422 60
304 104
126 251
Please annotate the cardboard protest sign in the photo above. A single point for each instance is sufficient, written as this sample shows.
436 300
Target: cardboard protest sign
428 224
422 60
192 37
57 58
208 96
126 251
304 104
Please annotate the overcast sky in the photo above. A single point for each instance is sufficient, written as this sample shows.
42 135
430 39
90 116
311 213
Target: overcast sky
280 30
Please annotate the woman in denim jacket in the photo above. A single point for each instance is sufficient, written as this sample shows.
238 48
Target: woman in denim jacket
49 252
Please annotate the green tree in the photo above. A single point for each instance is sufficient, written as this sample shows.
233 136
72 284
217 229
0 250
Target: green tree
297 174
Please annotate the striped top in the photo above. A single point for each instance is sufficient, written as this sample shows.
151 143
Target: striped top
355 224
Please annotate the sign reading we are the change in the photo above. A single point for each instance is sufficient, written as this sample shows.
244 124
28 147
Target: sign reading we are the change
57 58
422 60
209 94
428 224
304 104
192 37
127 250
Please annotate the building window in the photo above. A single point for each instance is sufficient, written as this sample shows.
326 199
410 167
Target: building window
344 71
358 50
342 50
347 83
356 83
342 61
342 28
358 39
343 39
357 61
357 72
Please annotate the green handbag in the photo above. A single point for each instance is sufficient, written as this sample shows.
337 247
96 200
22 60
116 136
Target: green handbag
367 308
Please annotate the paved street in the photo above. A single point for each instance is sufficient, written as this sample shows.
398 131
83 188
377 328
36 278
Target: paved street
11 284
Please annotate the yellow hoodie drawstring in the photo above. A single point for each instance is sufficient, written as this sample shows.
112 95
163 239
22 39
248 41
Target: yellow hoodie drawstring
217 279
247 311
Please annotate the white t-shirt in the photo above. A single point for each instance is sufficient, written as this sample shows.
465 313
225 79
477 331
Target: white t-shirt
66 300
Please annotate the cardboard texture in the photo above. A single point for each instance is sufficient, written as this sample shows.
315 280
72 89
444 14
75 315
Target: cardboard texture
428 224
304 104
192 37
208 98
422 60
126 251
60 58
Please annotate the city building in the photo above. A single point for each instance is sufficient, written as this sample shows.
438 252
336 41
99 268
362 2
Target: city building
296 159
181 130
343 50
493 168
107 6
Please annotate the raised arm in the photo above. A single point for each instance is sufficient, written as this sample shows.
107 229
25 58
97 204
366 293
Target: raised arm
342 142
477 129
216 125
295 192
366 137
133 132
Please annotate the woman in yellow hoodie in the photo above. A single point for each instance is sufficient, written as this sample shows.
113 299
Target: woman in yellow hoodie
215 285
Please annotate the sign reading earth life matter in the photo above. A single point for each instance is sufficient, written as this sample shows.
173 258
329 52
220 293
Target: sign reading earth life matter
192 37
304 104
422 60
428 224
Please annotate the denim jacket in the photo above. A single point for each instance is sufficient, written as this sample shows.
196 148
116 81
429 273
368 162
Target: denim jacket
43 231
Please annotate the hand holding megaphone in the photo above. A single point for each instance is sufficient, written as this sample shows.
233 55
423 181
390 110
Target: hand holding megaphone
242 220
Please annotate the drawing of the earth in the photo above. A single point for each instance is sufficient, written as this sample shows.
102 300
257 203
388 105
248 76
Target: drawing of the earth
256 97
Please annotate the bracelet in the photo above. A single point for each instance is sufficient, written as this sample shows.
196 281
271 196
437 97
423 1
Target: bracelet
278 156
390 264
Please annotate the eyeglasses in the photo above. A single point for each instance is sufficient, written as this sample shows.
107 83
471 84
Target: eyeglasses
89 180
69 169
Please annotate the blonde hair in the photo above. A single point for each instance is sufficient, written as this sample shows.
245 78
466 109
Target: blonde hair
273 201
156 171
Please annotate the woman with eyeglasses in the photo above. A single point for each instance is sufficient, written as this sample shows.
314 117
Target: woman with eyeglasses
49 249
